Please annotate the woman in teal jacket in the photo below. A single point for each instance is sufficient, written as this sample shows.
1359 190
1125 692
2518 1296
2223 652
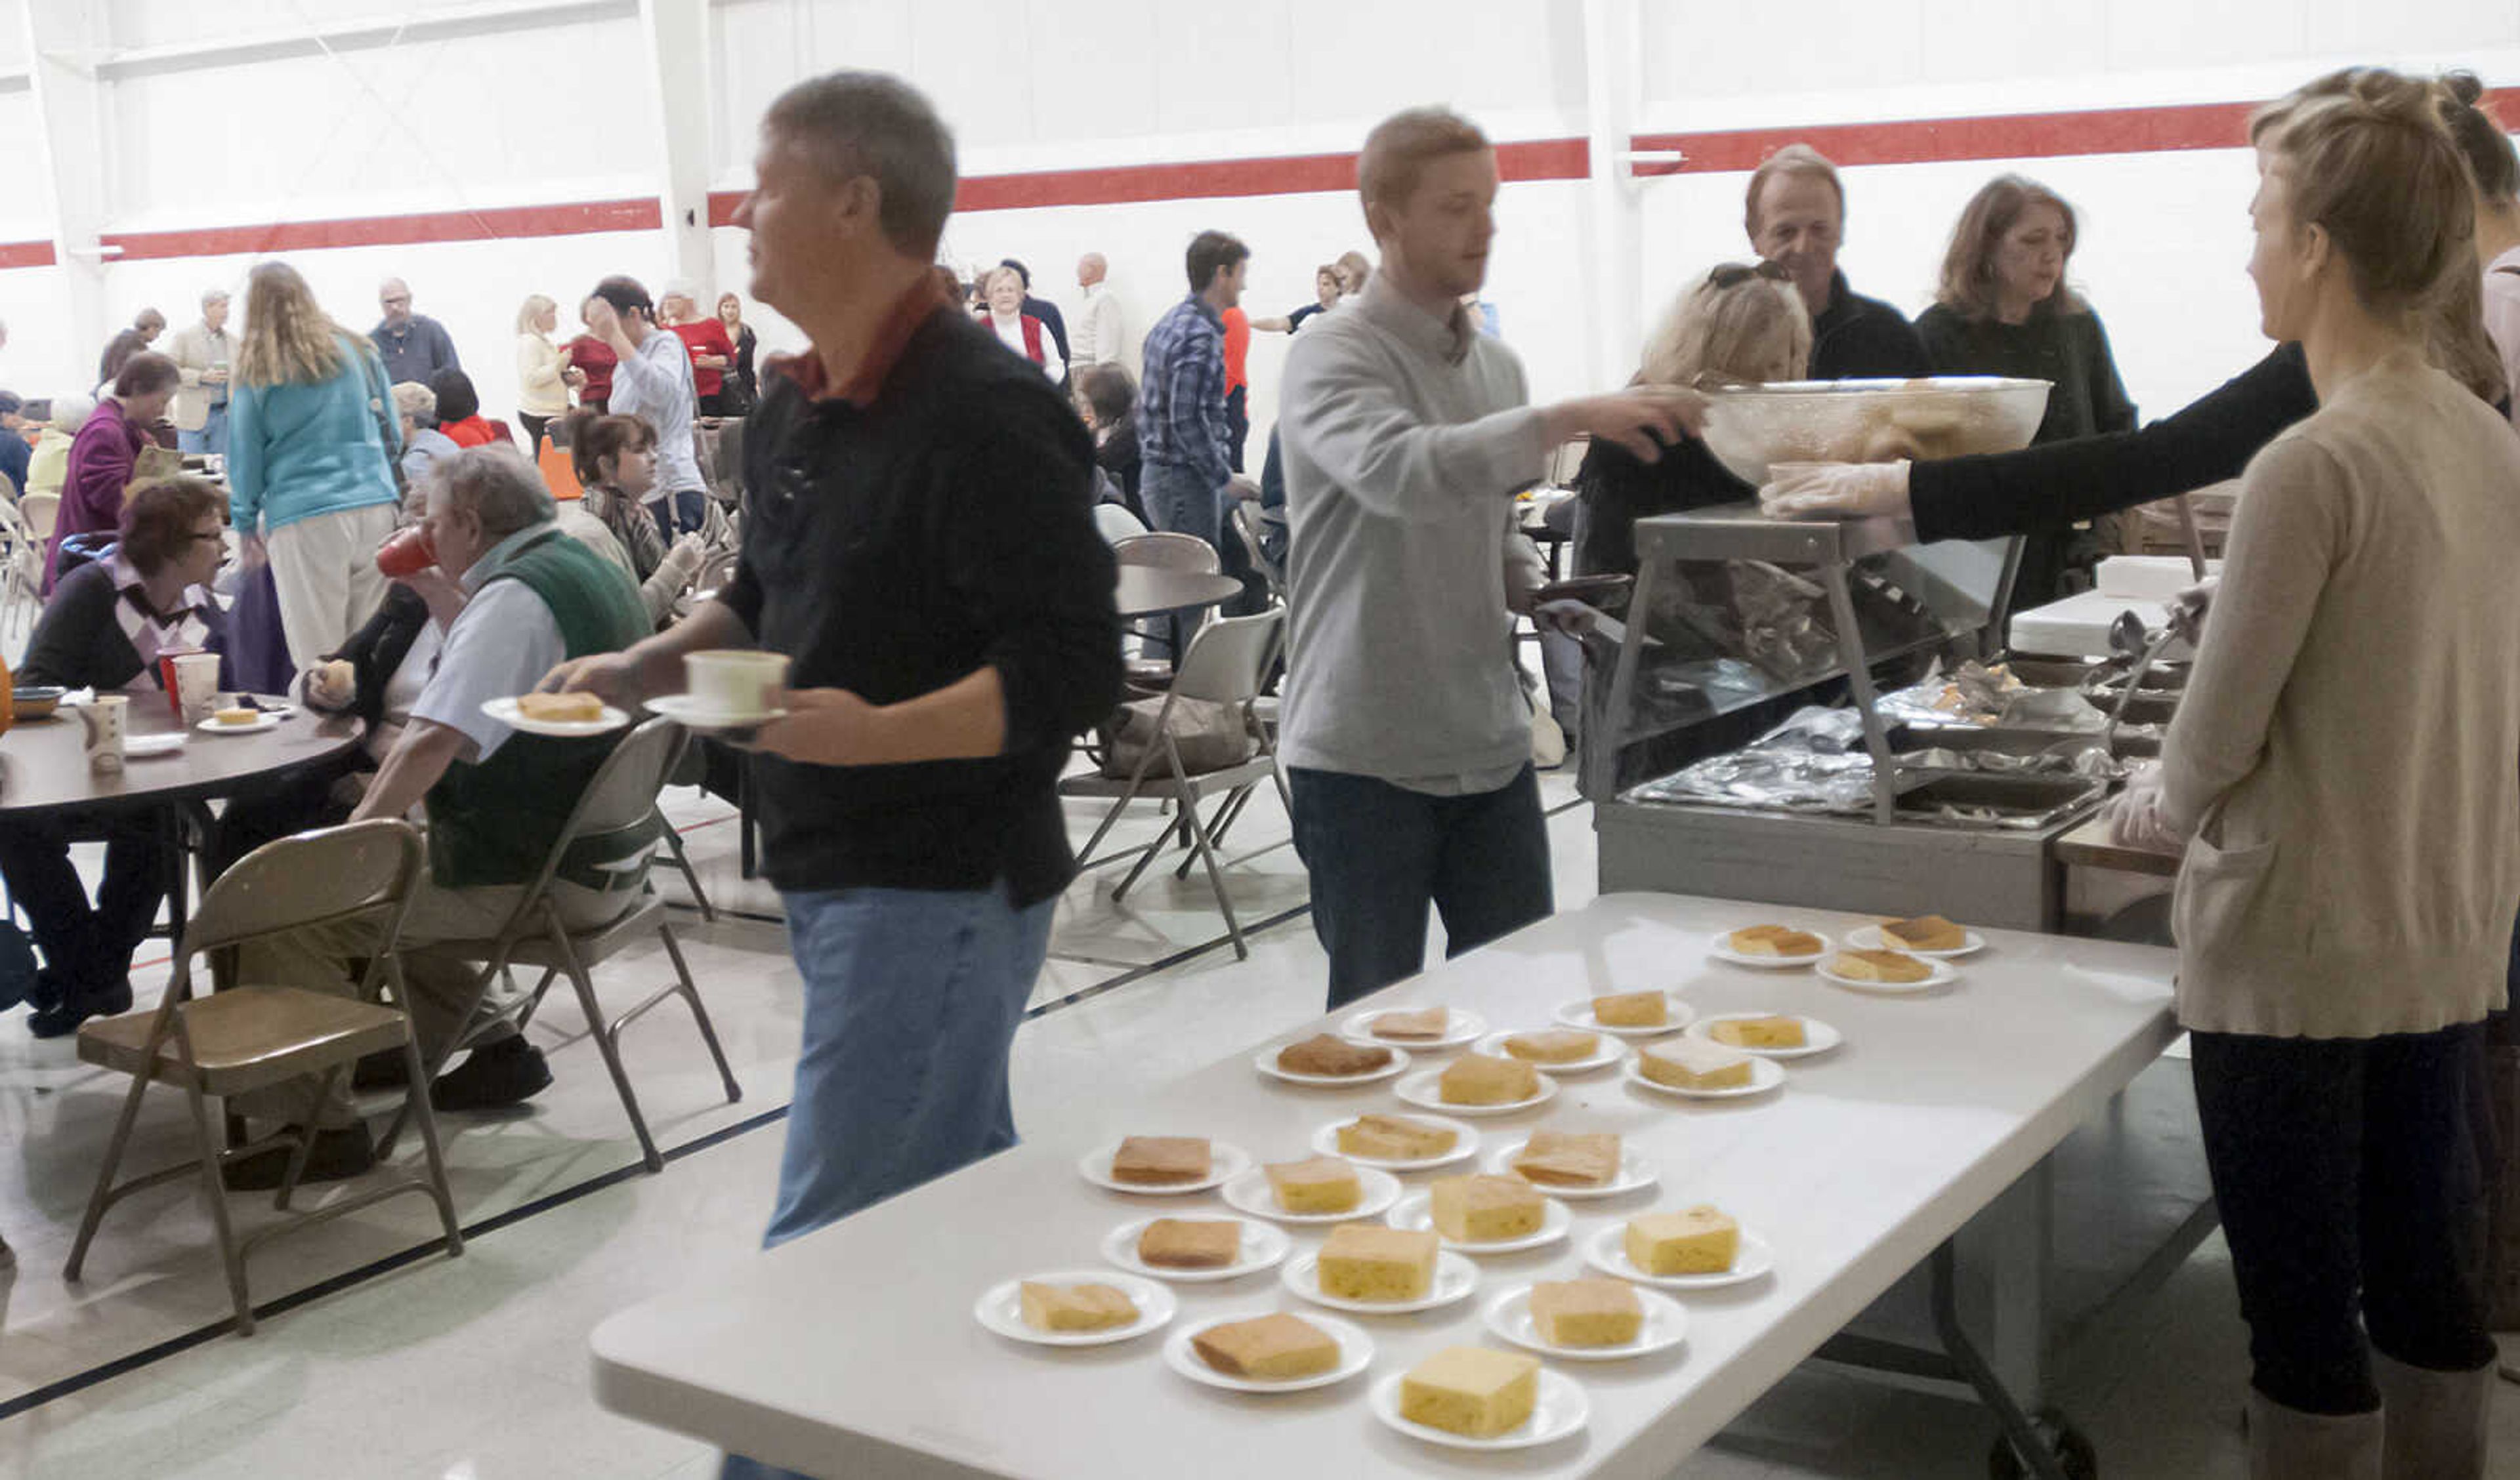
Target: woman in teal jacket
311 444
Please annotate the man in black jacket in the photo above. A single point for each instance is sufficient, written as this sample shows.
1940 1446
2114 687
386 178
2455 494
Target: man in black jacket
1796 214
921 546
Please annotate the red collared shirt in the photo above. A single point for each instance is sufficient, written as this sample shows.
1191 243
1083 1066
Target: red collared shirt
914 308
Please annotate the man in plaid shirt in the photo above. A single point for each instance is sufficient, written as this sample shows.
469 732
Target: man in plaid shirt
1182 432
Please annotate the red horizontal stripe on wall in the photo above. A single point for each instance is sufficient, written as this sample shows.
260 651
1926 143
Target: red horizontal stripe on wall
26 255
490 224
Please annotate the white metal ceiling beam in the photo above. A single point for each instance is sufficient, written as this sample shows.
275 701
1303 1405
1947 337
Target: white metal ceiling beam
448 25
678 51
70 147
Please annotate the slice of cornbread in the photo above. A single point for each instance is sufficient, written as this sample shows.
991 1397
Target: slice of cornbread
1879 965
1926 932
1395 1137
1698 1240
1761 1032
1474 1391
1161 1160
1364 1262
1773 940
1558 1159
1273 1348
1688 1064
1076 1306
1484 1079
1631 1010
1329 1055
1485 1209
1553 1045
1413 1026
1587 1312
1320 1184
1191 1243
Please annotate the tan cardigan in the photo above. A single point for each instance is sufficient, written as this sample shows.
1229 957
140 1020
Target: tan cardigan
2347 754
540 390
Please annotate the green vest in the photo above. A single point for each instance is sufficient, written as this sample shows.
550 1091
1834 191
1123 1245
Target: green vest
494 822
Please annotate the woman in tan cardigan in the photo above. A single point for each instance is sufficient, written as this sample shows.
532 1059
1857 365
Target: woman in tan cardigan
2346 773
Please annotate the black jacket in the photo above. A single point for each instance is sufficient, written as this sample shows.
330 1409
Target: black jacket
1857 338
2041 487
1618 490
897 548
377 650
2069 349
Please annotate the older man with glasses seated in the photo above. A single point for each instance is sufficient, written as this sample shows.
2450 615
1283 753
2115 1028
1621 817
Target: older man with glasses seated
517 596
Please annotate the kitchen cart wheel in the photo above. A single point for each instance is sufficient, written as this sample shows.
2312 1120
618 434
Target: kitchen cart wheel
2070 1445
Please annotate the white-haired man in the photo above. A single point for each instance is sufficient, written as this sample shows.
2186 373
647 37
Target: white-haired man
204 354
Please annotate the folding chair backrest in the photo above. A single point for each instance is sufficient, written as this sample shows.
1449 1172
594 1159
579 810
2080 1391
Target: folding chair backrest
1117 524
314 879
1246 516
1167 550
624 789
729 472
1229 659
41 511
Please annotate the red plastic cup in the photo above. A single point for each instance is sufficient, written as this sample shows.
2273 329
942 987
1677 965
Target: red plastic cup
406 552
166 676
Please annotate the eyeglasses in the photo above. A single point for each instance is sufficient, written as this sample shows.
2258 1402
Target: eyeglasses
1730 275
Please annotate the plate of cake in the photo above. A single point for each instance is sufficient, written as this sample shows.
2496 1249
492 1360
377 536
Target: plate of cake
1437 1027
1770 1035
559 716
1479 1398
1075 1308
1560 1051
1195 1250
1478 1084
1399 1143
1327 1059
1317 1190
1699 1070
1924 935
1769 947
1163 1165
1890 973
1697 1248
1629 1015
1369 1268
1588 1319
1575 1164
1484 1214
1272 1352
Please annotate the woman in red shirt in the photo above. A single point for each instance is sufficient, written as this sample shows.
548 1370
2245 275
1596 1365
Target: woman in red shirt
706 339
459 409
592 359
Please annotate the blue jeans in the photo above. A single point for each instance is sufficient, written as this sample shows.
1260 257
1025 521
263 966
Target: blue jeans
1182 500
680 514
211 439
1379 854
912 1001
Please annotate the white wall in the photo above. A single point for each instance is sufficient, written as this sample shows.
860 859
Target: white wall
567 113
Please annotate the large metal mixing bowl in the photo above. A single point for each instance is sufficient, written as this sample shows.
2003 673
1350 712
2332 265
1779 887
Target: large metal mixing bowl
1749 427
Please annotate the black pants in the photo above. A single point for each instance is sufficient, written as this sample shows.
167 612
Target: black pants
533 425
87 949
1238 423
2350 1181
1379 854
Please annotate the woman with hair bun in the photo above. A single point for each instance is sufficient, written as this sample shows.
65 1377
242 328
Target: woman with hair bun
2341 774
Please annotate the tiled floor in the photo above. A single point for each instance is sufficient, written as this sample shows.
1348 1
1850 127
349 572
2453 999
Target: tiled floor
476 1367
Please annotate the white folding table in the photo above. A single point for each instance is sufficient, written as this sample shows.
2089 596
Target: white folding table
854 1351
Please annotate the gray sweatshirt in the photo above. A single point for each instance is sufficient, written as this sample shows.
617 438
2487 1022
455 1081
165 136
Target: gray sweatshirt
1404 438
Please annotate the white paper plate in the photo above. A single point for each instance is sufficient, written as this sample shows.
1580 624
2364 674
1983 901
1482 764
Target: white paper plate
1266 1062
1579 1015
1606 1250
1262 1247
1252 1193
1001 1309
1424 1090
1416 1213
1821 1036
1325 1141
694 714
1224 1162
1870 939
506 712
141 747
262 721
1356 1354
1634 1173
1607 1051
1719 945
1455 1278
1461 1026
1943 977
1560 1413
1665 1326
1765 1074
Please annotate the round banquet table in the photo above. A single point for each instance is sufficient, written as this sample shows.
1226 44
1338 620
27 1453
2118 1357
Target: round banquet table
1153 590
43 768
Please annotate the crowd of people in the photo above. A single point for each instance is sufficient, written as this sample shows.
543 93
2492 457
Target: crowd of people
916 537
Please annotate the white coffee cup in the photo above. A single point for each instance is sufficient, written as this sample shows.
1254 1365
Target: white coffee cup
103 721
196 685
735 683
